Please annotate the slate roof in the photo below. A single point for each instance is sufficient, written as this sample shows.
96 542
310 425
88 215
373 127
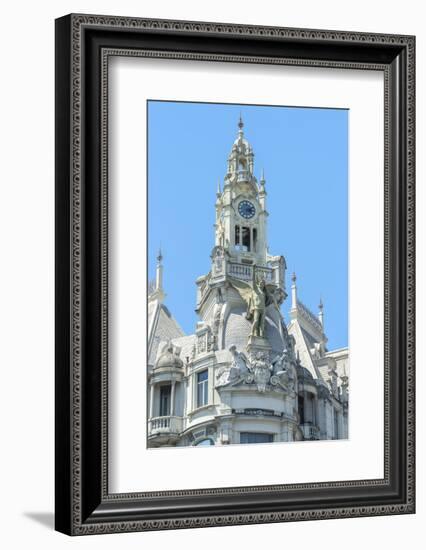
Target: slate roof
162 326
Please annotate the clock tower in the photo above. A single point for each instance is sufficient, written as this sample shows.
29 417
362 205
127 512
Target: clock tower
240 257
241 213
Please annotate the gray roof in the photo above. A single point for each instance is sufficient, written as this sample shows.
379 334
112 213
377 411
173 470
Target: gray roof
162 326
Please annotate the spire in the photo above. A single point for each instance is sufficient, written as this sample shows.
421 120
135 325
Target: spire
218 192
159 273
155 291
262 182
241 158
293 292
240 129
321 313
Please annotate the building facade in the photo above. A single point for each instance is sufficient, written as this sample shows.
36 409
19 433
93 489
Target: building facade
244 375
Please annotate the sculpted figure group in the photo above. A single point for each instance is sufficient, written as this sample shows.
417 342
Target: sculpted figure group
258 369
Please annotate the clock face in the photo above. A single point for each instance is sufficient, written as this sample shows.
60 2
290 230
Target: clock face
246 209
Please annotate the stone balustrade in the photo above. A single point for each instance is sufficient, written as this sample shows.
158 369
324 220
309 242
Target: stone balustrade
223 268
165 424
240 271
245 272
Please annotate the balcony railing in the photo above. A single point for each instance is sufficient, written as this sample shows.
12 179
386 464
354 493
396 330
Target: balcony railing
240 271
266 273
165 424
221 268
245 272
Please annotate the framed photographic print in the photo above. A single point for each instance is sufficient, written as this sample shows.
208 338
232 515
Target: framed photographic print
234 266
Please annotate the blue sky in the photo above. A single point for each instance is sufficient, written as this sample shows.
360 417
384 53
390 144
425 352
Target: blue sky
304 153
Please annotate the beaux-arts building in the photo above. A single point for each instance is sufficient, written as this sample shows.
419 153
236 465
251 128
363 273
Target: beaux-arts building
245 375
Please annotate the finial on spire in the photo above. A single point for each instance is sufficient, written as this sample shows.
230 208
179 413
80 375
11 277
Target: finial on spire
262 182
241 123
293 277
218 192
159 293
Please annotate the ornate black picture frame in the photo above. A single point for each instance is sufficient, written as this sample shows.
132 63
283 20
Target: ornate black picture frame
83 46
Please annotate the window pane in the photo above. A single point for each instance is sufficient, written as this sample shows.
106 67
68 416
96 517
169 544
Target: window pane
202 376
253 437
165 392
202 386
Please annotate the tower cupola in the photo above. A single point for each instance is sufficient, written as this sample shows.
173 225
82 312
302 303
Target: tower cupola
241 158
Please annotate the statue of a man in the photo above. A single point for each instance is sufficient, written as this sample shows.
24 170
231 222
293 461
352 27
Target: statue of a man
220 233
258 297
256 308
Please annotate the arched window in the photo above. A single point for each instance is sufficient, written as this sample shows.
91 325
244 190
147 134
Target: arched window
206 442
246 238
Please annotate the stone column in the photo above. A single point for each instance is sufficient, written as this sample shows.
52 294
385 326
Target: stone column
317 414
151 401
172 399
341 423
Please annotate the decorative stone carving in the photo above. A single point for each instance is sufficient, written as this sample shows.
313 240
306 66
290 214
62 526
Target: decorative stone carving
261 369
202 343
233 373
225 376
258 369
169 357
283 372
239 360
206 339
218 260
